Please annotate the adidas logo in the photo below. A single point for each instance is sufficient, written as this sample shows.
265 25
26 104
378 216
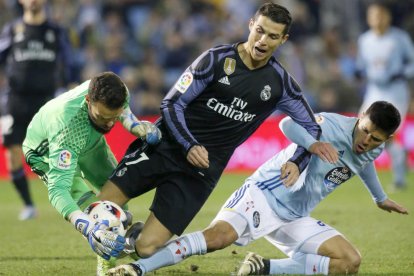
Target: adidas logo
224 80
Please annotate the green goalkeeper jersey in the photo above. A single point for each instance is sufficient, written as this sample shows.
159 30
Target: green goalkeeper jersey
61 137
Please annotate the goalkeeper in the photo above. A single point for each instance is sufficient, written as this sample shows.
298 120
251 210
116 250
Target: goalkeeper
65 146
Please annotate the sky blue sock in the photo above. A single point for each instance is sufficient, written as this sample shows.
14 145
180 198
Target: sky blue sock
175 251
301 263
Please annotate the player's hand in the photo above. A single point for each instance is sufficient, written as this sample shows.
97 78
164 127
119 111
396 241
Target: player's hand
102 241
106 243
147 131
198 157
325 151
289 173
391 206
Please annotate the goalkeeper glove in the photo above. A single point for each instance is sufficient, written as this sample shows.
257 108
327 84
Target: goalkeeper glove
147 131
103 242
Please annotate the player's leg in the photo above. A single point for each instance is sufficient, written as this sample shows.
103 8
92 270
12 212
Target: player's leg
344 257
19 179
313 248
398 162
231 225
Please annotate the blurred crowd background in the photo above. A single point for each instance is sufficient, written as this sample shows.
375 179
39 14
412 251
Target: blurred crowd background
150 42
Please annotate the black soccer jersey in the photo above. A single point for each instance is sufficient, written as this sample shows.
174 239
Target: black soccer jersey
219 102
33 54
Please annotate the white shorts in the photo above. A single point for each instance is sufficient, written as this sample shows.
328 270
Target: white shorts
250 215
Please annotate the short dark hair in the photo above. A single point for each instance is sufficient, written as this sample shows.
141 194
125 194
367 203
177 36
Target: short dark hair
276 13
384 116
108 89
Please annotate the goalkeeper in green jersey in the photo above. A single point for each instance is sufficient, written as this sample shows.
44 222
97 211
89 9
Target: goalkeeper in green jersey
65 146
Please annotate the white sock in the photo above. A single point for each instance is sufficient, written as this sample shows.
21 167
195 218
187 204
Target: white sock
301 263
175 251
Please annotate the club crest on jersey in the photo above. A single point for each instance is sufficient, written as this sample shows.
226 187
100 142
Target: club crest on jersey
265 93
229 66
19 32
319 119
336 177
50 36
256 219
64 160
184 82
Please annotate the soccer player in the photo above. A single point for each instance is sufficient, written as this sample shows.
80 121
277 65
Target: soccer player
216 104
65 146
265 206
34 49
386 59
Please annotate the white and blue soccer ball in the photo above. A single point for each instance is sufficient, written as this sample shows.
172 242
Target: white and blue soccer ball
107 210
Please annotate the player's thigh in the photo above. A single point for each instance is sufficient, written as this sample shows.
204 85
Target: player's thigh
248 212
304 235
98 163
178 198
338 247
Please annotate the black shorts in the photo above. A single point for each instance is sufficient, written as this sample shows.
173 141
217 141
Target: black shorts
181 189
17 115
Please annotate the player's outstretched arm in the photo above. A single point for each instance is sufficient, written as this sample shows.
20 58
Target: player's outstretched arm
103 242
143 129
391 206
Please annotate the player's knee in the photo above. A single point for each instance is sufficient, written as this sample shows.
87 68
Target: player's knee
145 249
350 262
219 236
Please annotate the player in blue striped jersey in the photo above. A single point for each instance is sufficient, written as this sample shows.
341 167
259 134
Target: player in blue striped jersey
386 60
266 206
216 104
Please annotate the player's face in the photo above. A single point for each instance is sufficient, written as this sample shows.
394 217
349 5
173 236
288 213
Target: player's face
378 18
33 6
367 136
264 38
101 117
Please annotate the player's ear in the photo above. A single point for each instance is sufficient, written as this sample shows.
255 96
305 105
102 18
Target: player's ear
251 23
87 99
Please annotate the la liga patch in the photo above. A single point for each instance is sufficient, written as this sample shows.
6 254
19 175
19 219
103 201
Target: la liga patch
64 160
184 82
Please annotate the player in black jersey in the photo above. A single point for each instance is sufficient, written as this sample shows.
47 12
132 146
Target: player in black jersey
216 104
33 50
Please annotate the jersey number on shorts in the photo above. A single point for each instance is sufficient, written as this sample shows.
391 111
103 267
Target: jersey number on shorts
142 157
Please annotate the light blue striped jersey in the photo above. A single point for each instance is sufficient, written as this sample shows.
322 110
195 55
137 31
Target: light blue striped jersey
387 61
320 178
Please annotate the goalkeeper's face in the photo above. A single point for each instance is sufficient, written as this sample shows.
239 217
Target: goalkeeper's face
101 117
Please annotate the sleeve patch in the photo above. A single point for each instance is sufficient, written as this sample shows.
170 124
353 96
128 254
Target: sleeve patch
184 82
64 160
319 119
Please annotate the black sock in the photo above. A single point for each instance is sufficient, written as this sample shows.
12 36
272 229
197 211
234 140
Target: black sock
20 182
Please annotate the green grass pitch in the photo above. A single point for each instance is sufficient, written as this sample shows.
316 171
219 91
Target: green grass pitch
49 246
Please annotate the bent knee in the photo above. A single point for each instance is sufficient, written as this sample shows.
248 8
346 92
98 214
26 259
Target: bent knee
146 248
219 236
350 263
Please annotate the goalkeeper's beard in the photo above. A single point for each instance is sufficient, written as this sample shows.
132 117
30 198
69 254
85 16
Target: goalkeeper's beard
98 128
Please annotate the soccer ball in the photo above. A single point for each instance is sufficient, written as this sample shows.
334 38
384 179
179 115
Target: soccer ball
108 210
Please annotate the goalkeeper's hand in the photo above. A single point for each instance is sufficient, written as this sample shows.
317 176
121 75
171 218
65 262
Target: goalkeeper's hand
103 242
147 131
